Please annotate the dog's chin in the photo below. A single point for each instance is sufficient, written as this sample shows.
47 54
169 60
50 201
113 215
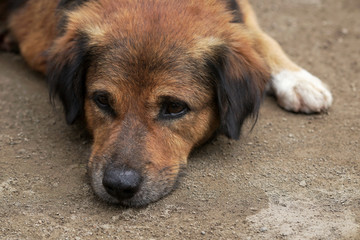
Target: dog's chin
150 191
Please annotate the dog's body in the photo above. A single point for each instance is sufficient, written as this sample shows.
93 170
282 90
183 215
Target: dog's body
153 79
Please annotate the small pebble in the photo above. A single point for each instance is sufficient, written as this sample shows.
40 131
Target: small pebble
263 229
344 31
21 151
303 183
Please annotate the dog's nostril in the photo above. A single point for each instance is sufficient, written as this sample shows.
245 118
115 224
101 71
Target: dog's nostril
121 183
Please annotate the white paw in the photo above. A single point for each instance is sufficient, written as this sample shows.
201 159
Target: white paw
300 91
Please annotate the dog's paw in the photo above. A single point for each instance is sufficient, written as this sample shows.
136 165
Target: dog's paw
300 91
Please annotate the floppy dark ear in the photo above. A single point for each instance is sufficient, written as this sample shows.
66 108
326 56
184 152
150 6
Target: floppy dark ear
66 74
241 80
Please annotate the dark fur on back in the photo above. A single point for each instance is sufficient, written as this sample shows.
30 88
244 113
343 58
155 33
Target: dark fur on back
9 6
234 7
70 4
15 4
67 5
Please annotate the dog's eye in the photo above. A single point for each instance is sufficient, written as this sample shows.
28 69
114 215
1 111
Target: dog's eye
102 101
173 110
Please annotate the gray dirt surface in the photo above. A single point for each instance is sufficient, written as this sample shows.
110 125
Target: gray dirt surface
293 177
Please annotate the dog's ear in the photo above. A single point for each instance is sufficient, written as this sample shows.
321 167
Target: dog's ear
66 73
241 77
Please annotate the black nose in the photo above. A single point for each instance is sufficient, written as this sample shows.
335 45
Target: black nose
121 183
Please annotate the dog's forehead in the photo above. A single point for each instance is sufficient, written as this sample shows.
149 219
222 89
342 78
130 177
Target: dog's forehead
136 64
106 20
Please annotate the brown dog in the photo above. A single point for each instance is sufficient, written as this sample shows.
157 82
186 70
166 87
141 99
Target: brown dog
153 79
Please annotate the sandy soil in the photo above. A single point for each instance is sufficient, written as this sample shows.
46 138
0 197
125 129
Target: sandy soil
293 177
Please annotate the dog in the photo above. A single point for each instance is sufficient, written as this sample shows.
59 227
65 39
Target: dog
155 79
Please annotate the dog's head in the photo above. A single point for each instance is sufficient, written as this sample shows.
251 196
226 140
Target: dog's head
153 80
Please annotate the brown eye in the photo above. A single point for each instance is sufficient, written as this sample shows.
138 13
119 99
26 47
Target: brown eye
173 110
102 100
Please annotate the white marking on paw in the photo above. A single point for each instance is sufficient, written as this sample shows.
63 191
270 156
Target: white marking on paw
300 91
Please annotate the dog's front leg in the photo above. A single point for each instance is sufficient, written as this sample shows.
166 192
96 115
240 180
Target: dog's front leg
295 88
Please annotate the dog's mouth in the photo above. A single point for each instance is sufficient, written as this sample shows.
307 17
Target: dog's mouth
128 187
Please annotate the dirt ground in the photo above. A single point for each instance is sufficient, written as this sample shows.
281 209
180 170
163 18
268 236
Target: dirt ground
293 177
